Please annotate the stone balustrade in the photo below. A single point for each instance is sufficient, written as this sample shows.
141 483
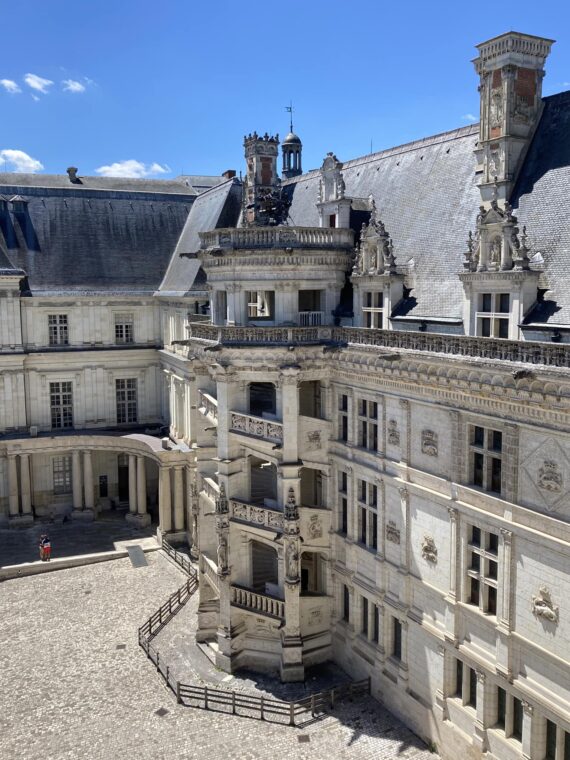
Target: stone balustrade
277 237
258 427
210 488
496 349
208 405
210 570
261 517
311 318
260 603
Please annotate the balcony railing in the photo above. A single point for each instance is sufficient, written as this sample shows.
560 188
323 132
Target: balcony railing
278 237
260 517
260 603
210 488
258 427
208 405
311 318
210 570
496 349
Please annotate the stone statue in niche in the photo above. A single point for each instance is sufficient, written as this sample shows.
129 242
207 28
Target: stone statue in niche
222 556
429 443
429 549
392 532
495 252
292 563
550 477
315 527
496 108
542 605
393 433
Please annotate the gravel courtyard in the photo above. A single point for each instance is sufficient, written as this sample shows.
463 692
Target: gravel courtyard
77 686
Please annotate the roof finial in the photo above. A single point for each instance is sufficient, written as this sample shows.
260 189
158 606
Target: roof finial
289 108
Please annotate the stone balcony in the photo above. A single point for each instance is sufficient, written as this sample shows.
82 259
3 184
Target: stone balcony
256 427
495 349
276 237
261 604
256 515
208 406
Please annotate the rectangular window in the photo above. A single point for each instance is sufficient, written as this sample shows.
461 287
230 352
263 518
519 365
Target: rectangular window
124 328
58 330
517 719
61 405
126 393
62 475
376 630
493 315
345 603
343 417
397 642
458 678
368 516
501 707
373 310
260 304
482 569
364 616
343 501
368 424
472 697
550 741
486 449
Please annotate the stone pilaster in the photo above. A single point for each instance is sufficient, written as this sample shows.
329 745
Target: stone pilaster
292 668
178 498
224 653
164 501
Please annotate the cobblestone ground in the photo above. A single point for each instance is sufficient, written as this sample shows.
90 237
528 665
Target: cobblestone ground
76 686
68 539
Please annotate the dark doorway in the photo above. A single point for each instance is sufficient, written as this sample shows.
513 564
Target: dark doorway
123 479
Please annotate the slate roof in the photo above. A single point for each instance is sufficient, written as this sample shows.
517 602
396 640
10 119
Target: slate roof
426 195
541 200
91 240
218 207
184 185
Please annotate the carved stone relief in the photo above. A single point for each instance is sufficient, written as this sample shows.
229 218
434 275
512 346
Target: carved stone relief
550 477
496 108
429 443
392 532
543 606
313 440
393 433
429 549
315 617
315 527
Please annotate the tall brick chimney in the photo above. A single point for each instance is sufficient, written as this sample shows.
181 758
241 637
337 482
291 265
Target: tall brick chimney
510 68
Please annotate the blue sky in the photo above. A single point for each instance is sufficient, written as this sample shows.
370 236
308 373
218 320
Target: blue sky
173 86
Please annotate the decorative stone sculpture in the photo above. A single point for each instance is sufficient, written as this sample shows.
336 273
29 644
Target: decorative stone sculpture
429 443
292 563
429 550
543 606
392 532
222 556
291 510
393 433
315 527
550 477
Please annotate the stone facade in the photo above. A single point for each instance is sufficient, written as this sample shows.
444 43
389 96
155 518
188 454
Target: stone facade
387 494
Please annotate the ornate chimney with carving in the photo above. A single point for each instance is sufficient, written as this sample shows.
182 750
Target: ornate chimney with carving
510 68
264 203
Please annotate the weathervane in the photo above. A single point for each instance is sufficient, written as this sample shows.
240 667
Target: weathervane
289 109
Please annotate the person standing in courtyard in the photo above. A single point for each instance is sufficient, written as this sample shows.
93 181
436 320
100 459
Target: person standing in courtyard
41 547
47 549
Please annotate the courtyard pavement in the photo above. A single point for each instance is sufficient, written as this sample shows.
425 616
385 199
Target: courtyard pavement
68 539
76 686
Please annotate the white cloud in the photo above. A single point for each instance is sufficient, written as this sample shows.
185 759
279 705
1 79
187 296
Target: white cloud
133 169
38 83
10 86
470 117
72 85
18 161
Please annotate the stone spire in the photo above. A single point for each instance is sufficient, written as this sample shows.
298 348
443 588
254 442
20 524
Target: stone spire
510 68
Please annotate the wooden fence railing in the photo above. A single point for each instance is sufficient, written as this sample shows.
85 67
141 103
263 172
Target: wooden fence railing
224 700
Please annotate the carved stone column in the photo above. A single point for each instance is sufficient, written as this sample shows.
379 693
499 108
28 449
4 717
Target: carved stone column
86 514
453 593
290 405
13 495
292 668
88 480
25 484
164 502
224 633
132 484
484 717
195 507
506 584
76 479
178 498
141 518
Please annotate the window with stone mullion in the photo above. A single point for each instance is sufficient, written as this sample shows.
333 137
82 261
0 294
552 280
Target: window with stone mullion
127 406
61 405
368 514
368 424
482 570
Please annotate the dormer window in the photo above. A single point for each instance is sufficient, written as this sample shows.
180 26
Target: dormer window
493 315
373 309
